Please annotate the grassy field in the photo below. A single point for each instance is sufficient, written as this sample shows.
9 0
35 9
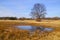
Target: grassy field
44 23
9 32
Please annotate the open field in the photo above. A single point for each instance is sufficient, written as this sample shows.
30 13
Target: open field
9 32
44 23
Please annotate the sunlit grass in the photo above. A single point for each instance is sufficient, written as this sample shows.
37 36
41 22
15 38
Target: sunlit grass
9 32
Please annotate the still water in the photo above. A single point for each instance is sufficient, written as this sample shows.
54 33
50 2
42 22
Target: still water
33 28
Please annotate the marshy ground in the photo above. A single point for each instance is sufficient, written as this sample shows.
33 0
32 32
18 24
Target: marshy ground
9 32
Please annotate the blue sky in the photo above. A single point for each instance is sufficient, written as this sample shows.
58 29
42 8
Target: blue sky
22 8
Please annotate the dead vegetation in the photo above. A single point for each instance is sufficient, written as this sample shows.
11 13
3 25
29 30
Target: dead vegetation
9 32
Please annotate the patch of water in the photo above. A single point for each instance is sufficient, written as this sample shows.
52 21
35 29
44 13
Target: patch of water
33 28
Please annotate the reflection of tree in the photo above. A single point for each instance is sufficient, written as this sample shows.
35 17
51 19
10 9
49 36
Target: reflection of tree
41 28
37 28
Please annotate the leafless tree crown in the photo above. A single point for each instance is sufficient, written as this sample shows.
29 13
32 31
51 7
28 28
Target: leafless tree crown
38 11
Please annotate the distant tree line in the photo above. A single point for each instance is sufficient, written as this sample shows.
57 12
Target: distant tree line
23 18
53 18
8 18
15 18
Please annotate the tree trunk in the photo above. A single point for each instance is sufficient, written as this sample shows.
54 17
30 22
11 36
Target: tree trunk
38 19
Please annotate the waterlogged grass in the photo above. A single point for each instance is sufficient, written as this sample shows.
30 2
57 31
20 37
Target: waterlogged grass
9 32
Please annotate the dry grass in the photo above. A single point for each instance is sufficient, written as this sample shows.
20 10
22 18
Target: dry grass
9 32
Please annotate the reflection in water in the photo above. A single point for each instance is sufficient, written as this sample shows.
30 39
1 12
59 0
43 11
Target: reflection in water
33 28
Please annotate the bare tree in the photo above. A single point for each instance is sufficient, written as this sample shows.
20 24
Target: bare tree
38 11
